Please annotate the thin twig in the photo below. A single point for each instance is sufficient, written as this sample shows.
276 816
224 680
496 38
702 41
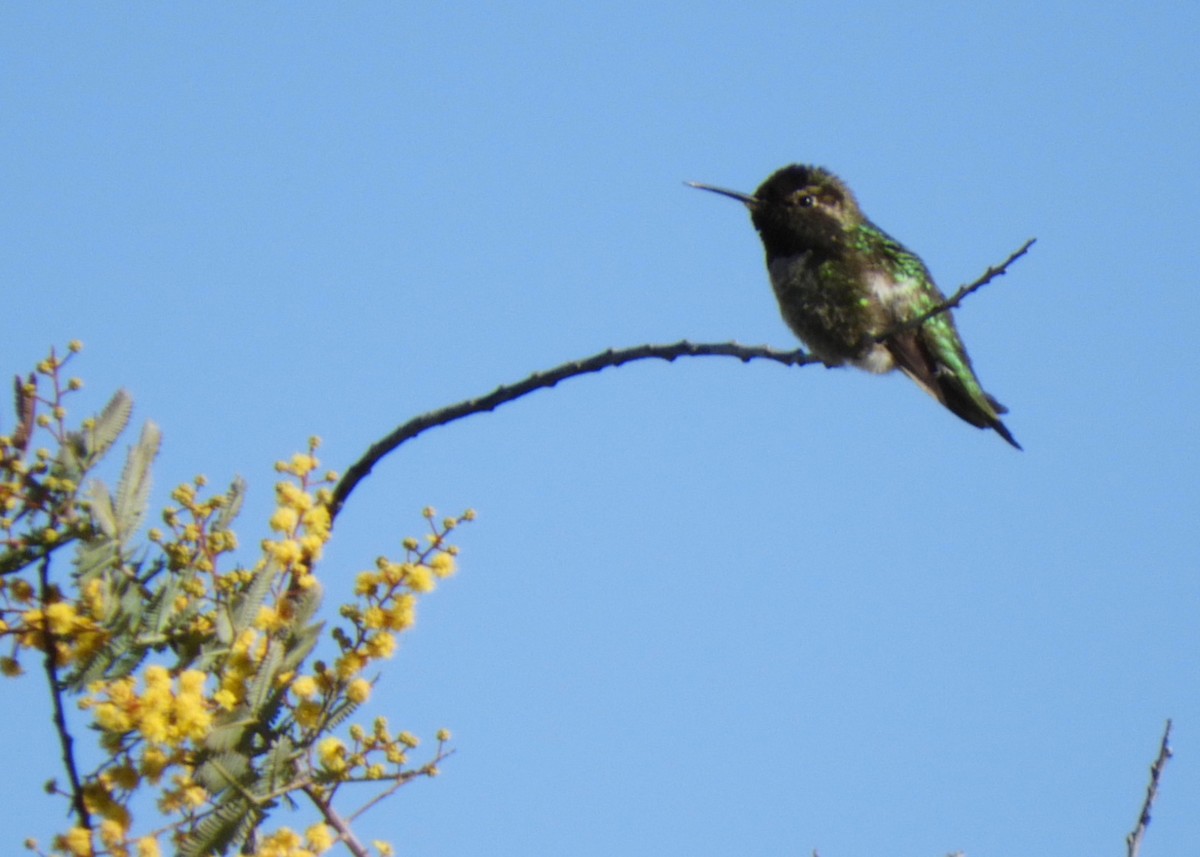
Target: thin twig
401 781
1133 842
538 380
66 742
955 299
336 821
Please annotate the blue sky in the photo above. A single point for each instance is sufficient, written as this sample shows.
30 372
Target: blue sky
707 608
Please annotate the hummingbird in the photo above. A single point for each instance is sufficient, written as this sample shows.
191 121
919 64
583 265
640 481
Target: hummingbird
847 289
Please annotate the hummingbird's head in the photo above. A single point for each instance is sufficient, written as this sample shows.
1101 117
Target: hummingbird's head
799 208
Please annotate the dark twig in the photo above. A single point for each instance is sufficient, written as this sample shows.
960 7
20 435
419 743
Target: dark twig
403 780
60 719
336 821
502 395
1133 842
955 299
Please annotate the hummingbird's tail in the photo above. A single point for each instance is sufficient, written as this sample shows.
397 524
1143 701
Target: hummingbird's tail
955 387
955 396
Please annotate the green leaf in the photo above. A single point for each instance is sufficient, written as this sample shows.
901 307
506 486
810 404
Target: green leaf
229 823
218 772
253 597
229 734
104 516
133 491
109 424
233 505
279 767
300 645
263 682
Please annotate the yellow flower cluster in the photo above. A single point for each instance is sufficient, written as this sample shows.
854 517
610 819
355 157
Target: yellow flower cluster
39 512
240 667
153 724
387 607
301 516
71 628
389 594
285 842
375 755
166 712
196 541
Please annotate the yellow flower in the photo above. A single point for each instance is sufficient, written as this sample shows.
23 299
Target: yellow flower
442 565
244 641
147 846
111 833
77 842
195 796
374 617
420 578
192 719
284 520
285 842
289 494
313 544
381 645
402 613
319 838
359 690
157 676
153 726
154 762
332 754
391 572
305 687
304 464
308 714
93 595
192 682
366 583
286 552
111 718
268 619
317 521
349 665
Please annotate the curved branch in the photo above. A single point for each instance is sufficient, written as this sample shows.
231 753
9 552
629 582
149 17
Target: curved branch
538 380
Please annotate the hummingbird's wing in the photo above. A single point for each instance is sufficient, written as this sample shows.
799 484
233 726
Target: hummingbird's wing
937 362
933 355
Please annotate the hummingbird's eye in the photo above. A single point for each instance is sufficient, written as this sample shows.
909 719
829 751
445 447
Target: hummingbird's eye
808 201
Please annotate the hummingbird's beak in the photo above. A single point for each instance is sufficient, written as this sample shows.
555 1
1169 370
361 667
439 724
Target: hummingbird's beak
744 198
